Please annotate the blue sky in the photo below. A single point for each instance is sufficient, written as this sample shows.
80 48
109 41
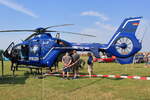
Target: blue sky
96 17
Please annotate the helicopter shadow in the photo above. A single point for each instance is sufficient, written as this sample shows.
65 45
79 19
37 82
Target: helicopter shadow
8 79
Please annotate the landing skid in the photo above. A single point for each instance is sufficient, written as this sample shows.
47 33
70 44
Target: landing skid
15 67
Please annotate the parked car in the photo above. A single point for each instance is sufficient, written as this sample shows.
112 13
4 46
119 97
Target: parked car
139 58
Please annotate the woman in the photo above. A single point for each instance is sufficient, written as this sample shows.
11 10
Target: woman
90 64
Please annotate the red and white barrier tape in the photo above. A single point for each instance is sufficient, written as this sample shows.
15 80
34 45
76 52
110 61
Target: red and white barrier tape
109 76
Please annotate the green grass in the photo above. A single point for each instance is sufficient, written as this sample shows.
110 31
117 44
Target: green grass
25 87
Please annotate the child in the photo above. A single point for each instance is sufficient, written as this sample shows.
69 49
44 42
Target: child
90 64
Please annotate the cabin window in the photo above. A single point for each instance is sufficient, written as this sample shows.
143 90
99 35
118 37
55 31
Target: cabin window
21 52
25 51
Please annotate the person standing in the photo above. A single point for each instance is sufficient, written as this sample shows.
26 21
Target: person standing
90 64
66 60
75 65
147 60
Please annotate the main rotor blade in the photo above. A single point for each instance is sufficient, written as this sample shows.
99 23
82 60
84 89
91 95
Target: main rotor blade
71 33
17 31
59 25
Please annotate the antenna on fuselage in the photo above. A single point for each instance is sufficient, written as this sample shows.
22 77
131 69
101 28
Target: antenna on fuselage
58 35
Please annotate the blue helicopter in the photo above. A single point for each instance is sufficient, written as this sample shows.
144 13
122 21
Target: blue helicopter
42 50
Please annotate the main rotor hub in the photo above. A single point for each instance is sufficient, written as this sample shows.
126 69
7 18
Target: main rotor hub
40 30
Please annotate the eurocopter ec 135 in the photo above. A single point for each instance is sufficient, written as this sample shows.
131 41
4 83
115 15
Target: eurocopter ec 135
42 50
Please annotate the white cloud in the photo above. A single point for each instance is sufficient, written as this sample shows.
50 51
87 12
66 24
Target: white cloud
102 31
96 14
105 26
18 7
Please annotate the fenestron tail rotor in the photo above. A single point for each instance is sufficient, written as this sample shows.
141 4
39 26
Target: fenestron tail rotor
124 45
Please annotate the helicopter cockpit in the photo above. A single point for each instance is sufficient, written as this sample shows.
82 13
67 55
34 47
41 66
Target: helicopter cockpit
20 52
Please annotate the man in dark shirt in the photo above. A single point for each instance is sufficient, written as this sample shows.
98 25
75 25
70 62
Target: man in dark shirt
75 65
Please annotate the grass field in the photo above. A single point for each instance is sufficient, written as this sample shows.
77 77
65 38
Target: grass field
26 87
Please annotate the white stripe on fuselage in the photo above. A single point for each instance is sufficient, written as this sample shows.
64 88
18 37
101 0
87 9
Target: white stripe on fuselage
73 47
80 47
48 53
